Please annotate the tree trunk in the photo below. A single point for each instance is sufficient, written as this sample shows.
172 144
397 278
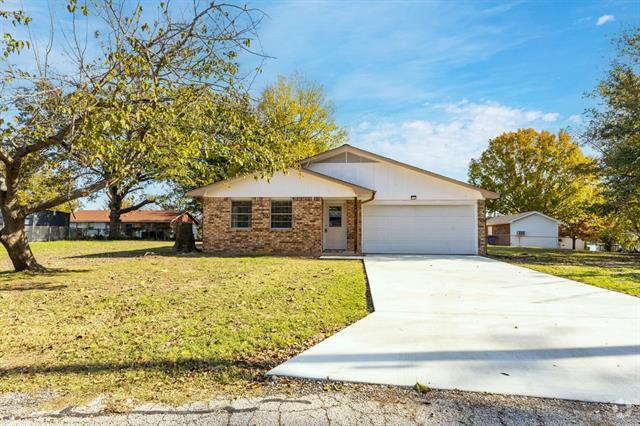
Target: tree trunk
14 238
115 205
573 242
185 241
114 224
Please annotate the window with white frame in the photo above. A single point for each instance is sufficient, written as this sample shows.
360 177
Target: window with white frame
241 214
281 214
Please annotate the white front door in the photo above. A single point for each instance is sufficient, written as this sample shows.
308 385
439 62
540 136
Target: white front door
335 226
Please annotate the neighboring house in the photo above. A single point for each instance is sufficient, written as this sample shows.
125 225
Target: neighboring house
344 200
531 229
603 247
139 224
567 243
631 245
46 225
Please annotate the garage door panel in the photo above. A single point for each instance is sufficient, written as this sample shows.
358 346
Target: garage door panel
419 229
376 221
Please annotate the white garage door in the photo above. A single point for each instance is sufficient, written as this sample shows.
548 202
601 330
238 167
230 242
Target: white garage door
419 229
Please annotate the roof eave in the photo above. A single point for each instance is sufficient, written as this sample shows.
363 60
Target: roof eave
522 216
559 222
489 195
359 191
196 193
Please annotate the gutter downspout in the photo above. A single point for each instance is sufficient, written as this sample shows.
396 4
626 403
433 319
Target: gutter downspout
373 195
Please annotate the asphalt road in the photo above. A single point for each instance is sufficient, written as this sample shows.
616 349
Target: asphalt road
324 404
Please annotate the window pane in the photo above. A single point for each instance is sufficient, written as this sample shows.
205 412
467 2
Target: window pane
281 207
240 221
281 222
241 214
281 214
241 207
335 216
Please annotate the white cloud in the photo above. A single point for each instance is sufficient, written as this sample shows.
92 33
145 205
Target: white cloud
604 19
575 119
446 145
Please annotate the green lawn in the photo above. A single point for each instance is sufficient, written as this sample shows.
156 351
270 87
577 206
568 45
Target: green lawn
132 320
613 271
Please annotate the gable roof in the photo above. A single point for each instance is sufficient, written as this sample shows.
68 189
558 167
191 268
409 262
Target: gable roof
346 147
360 191
510 218
150 216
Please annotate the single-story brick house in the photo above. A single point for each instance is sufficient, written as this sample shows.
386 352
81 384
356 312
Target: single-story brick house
344 200
138 224
531 229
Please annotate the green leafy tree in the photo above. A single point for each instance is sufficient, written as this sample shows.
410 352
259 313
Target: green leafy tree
55 128
291 120
537 171
614 230
164 148
297 112
585 224
614 130
229 125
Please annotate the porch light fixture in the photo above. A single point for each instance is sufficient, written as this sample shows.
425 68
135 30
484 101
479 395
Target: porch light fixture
414 197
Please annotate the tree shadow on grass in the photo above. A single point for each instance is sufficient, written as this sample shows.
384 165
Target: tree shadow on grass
15 278
160 251
632 276
369 359
47 286
165 366
614 274
168 252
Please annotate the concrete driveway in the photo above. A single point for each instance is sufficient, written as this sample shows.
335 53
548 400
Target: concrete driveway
476 324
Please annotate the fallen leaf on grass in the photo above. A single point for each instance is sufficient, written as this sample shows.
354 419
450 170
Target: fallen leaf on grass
422 388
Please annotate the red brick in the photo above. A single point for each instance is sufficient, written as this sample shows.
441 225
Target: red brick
304 237
482 228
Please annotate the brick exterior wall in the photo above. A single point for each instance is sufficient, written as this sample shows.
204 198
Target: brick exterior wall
351 219
502 234
482 228
353 211
304 237
359 227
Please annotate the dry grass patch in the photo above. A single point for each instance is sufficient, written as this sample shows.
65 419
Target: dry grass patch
132 320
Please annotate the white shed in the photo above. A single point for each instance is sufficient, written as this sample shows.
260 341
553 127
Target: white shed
531 229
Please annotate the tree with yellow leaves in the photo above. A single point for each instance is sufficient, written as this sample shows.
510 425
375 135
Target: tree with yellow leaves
539 171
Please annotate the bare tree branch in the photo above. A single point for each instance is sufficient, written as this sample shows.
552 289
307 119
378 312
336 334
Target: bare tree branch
138 206
72 195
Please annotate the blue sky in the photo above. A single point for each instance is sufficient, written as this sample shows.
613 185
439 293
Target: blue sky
429 82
